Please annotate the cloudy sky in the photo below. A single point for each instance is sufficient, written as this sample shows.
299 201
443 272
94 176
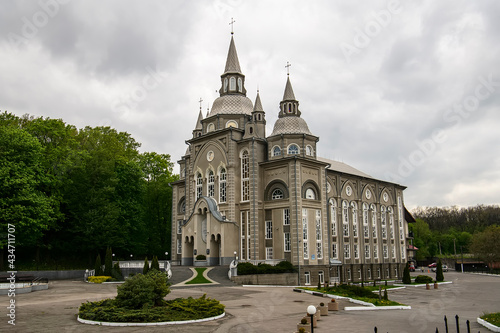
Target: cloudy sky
405 91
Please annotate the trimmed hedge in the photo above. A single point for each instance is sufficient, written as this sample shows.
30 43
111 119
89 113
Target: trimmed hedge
99 279
174 310
423 279
246 268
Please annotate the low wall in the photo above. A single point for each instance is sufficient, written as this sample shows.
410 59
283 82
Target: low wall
53 275
283 279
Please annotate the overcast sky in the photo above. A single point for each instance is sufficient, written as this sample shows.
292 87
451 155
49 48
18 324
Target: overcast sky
405 91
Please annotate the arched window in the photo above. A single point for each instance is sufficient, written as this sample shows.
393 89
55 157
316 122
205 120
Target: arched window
232 84
277 194
182 206
276 151
222 185
373 210
245 177
225 84
354 208
199 185
383 221
251 130
240 84
333 216
211 184
345 218
310 194
391 221
309 150
210 128
293 149
366 232
232 123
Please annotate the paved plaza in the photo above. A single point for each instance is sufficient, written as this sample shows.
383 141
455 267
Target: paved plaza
267 309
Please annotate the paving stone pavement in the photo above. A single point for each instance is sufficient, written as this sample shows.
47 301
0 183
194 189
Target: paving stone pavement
261 309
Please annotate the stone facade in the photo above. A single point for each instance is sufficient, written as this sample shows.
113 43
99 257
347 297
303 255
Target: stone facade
270 198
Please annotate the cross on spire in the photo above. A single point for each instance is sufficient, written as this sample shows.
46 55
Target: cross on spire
288 68
232 25
200 101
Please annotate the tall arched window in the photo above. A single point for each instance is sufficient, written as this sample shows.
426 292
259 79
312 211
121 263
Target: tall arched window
293 149
373 210
333 216
309 150
240 84
211 184
383 221
354 207
391 221
232 84
222 185
225 84
345 218
245 177
199 185
365 220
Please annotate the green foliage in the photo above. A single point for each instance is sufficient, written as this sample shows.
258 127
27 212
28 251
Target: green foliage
486 245
179 309
98 279
246 268
201 257
145 268
386 298
439 272
155 264
116 272
423 279
406 274
108 262
98 266
143 291
356 292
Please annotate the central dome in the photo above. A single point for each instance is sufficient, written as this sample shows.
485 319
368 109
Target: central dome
232 104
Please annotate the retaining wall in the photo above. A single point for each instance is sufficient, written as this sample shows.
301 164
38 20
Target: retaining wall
284 279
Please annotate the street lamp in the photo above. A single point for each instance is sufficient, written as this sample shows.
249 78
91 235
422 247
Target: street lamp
311 310
166 261
235 256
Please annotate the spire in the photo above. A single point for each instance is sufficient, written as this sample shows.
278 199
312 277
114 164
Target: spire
288 95
198 122
232 62
258 104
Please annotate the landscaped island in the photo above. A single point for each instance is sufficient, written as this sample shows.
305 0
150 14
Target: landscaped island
140 300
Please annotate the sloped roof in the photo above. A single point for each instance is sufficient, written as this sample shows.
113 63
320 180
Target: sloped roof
288 95
344 168
258 104
232 104
232 62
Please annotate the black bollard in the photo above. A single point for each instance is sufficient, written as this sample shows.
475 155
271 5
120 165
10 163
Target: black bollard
375 329
458 325
446 324
468 325
437 331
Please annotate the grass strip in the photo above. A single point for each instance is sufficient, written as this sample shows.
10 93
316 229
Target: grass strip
492 318
199 278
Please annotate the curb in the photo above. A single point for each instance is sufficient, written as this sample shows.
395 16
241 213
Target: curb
105 323
489 326
390 307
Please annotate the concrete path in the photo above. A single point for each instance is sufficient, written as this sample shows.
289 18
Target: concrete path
258 309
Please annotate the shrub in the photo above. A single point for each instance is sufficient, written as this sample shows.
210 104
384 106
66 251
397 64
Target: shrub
285 266
143 291
423 279
116 272
386 298
145 269
155 264
406 274
108 262
246 268
302 329
98 266
303 321
439 272
201 257
99 279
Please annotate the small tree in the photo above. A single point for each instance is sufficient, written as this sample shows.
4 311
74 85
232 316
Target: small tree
406 274
108 262
155 264
98 266
117 272
385 295
145 269
439 272
143 291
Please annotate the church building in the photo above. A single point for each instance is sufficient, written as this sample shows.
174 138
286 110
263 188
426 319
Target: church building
265 198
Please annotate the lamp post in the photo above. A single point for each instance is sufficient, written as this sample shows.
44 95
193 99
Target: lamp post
235 256
166 261
311 310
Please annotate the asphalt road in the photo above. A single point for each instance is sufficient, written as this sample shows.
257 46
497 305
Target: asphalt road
260 309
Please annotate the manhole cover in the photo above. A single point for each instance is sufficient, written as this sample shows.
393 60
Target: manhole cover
299 301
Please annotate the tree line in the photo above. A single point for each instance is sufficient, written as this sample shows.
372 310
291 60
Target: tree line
72 192
453 230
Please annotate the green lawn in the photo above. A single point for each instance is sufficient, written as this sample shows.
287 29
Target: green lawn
199 276
355 292
492 318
